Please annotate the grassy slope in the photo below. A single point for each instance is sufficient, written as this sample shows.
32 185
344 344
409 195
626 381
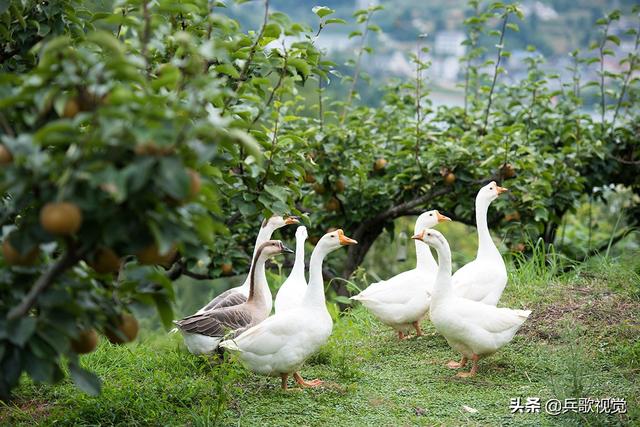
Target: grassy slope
582 341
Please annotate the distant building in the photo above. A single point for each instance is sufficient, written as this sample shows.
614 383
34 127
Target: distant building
449 43
364 4
543 11
398 64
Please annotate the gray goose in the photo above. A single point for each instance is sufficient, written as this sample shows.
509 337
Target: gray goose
203 331
239 294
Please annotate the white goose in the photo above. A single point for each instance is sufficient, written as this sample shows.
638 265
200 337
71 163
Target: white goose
484 278
202 332
239 294
280 344
402 301
292 290
472 328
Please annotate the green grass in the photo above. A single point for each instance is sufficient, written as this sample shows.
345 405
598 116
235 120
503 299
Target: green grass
581 341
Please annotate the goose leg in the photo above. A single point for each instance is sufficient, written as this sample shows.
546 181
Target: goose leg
474 368
416 325
303 383
284 378
455 365
400 335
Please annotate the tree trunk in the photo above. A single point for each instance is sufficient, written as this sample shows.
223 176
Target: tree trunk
356 253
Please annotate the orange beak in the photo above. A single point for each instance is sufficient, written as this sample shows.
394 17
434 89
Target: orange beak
420 235
344 240
441 217
291 220
501 190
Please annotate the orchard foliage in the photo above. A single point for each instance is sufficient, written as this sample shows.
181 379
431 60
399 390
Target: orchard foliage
148 142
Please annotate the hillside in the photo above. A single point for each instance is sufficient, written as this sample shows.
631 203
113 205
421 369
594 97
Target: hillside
581 341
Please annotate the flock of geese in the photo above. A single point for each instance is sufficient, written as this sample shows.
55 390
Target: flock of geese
462 306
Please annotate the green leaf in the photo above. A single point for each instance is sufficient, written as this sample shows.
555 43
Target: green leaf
301 66
173 178
342 300
85 380
19 331
57 132
614 39
164 309
228 69
276 191
335 21
272 30
322 11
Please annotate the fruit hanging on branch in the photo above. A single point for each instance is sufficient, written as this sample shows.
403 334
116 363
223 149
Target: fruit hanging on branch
513 216
105 261
507 171
5 155
150 255
150 148
339 186
227 269
448 176
380 164
71 108
13 257
123 330
195 183
61 218
319 188
309 178
332 204
86 342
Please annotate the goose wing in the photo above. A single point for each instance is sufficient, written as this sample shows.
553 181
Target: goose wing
226 299
490 318
217 322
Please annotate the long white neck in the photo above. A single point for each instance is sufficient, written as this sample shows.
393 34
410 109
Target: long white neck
263 235
298 265
314 294
486 247
424 257
442 286
259 291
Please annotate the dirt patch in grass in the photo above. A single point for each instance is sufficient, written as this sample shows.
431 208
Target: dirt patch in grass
599 310
37 409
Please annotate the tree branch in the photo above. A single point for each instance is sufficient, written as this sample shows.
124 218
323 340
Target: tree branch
408 206
356 71
196 276
5 125
632 66
495 72
63 263
252 52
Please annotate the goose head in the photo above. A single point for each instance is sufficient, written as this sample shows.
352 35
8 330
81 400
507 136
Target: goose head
431 237
490 192
271 248
429 219
278 221
301 233
334 240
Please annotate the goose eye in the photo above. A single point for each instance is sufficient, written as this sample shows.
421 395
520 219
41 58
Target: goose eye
430 214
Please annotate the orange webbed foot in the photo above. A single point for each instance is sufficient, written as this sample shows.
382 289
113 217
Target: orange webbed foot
301 381
457 365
